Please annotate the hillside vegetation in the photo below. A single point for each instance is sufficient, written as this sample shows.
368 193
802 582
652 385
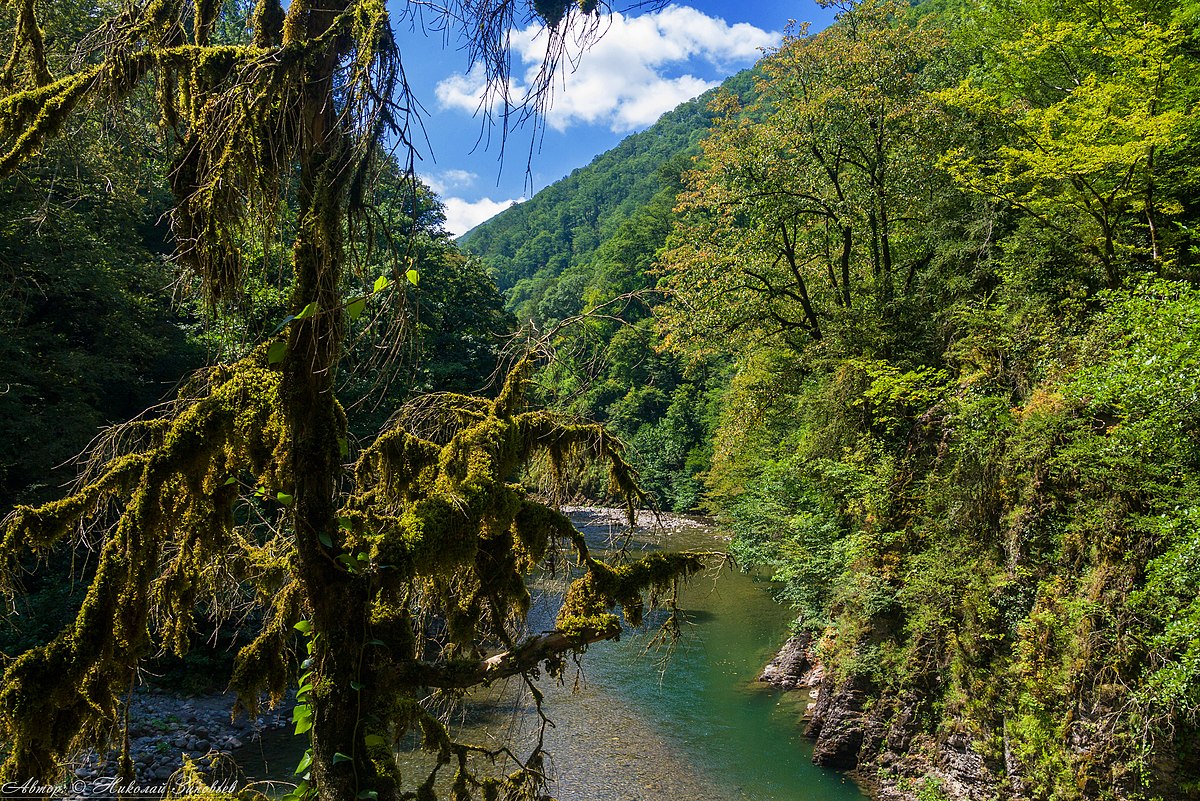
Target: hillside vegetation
913 307
586 245
923 330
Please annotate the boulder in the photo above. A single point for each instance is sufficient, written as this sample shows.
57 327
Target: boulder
790 668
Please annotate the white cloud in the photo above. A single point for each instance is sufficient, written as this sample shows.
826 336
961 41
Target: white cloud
463 215
623 81
447 181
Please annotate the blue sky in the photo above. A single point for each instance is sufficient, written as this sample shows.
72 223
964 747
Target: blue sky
646 64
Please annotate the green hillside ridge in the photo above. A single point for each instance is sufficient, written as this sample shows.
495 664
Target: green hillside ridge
564 224
912 308
589 239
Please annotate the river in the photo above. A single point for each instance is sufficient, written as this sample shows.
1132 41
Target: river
635 724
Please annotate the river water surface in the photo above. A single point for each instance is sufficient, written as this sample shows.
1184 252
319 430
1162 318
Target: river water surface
633 724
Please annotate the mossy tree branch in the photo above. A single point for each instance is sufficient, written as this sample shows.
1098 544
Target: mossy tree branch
416 557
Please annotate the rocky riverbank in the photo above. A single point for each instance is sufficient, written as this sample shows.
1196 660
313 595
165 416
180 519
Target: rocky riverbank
164 729
879 744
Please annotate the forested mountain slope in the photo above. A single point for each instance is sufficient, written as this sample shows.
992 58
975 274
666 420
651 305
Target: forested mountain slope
563 225
582 244
952 257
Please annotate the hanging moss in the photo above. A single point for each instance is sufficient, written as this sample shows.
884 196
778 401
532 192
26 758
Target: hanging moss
175 526
411 567
262 665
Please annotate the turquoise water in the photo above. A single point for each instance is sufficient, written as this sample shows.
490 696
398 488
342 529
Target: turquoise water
697 707
634 724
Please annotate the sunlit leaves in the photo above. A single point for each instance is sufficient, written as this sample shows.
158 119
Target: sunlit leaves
1090 98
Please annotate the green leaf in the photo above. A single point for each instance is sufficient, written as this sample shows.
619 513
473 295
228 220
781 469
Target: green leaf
339 757
303 626
381 283
230 480
412 276
374 741
325 539
344 522
368 795
307 311
357 686
284 498
355 308
376 642
305 763
276 352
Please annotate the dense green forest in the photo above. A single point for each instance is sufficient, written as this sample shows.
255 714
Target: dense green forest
320 480
945 257
912 308
585 246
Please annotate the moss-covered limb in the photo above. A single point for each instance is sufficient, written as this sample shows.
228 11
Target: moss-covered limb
586 617
36 529
205 18
450 511
516 385
172 497
267 21
440 416
63 694
591 599
28 41
396 460
29 118
542 432
464 673
536 525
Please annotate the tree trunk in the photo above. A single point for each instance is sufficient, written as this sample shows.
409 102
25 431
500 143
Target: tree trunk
336 601
847 250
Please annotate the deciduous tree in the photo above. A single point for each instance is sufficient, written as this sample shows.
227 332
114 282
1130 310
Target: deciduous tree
805 200
1093 102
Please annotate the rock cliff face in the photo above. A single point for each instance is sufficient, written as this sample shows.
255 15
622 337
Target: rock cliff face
880 737
837 723
904 747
